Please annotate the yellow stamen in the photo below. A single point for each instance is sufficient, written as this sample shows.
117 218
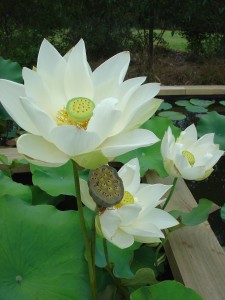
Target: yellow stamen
127 199
190 157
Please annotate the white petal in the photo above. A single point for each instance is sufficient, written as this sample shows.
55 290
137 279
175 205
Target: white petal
128 141
73 140
128 213
130 175
167 144
109 75
78 82
144 93
141 114
122 240
37 148
159 218
85 196
48 59
143 229
149 195
51 68
40 118
37 90
110 222
188 136
216 156
104 117
127 89
193 173
10 99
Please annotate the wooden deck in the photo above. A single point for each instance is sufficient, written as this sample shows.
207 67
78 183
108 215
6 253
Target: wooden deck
195 255
188 90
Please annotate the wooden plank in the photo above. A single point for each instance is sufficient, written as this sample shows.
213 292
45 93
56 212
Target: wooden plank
194 253
12 154
167 90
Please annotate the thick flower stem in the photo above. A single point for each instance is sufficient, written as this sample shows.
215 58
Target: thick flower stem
106 253
119 287
158 249
171 193
91 264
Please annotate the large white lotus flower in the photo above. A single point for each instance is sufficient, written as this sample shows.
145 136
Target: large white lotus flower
71 112
188 156
136 217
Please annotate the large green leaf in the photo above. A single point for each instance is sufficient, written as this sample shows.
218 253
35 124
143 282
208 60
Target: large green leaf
144 257
222 212
54 181
10 70
41 253
213 122
197 215
150 157
9 187
166 290
121 258
142 277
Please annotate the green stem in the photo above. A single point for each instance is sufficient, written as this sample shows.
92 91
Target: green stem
171 192
119 287
158 249
91 265
106 254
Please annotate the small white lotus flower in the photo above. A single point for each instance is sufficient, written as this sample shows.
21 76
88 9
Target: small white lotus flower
72 112
136 217
189 157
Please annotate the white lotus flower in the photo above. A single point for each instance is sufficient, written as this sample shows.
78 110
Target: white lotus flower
71 112
136 217
188 156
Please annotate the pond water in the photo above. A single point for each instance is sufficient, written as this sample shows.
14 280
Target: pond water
212 188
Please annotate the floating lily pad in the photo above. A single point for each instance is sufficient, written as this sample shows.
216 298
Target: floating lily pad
222 212
203 103
182 102
165 290
222 102
41 253
213 122
196 109
172 115
165 106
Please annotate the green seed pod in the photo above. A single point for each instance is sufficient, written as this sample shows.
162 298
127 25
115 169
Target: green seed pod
105 186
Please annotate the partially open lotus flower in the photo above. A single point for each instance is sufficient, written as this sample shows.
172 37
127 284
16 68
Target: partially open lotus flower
189 157
136 217
71 112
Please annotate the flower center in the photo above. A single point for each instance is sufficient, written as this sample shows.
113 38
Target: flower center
127 199
190 157
105 186
78 112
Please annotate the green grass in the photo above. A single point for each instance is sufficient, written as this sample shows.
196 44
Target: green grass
175 42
